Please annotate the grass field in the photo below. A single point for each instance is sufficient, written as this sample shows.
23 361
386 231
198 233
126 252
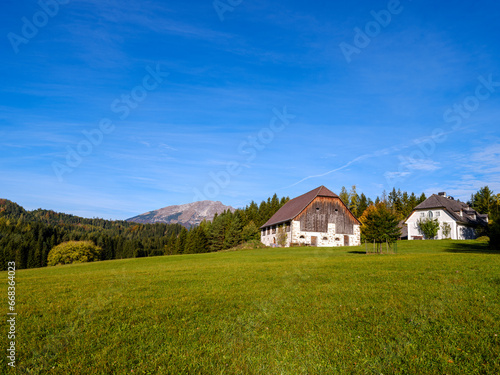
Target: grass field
433 308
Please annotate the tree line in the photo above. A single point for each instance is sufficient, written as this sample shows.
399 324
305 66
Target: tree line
400 203
227 230
28 236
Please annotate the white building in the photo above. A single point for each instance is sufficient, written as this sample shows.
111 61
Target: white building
317 218
462 220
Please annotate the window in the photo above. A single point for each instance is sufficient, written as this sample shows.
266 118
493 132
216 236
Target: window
288 227
430 214
274 229
302 237
317 209
422 214
438 214
325 238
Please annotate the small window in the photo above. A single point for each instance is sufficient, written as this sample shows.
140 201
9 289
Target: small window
438 214
430 214
317 209
336 210
422 214
325 238
302 237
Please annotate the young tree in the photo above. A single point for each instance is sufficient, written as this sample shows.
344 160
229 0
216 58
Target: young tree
282 236
379 225
429 228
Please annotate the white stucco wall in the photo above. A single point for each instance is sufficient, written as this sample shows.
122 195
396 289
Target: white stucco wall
458 231
272 239
327 239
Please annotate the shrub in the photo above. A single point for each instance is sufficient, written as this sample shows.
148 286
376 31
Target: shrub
73 252
429 228
483 239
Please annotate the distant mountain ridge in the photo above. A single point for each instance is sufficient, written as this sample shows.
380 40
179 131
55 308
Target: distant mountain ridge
188 215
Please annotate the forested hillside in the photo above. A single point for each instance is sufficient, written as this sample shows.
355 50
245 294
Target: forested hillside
28 236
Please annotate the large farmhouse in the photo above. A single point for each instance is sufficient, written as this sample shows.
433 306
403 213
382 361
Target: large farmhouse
317 218
461 219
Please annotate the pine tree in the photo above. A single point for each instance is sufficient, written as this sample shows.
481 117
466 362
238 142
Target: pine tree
180 243
421 199
191 243
363 204
217 234
483 201
233 235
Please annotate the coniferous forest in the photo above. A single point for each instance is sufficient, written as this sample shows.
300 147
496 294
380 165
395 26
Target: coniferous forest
27 237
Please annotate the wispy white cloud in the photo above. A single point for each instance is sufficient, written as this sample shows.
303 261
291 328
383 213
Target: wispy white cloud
412 164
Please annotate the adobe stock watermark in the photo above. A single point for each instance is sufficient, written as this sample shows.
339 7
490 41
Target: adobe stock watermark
122 107
364 36
223 6
463 111
31 26
418 159
249 148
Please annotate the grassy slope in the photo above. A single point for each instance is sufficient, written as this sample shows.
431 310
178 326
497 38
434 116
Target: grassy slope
432 308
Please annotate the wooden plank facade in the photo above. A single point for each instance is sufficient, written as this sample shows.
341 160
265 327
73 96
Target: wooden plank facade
317 218
326 210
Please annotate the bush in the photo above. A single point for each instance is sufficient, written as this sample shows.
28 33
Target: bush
429 227
483 239
73 252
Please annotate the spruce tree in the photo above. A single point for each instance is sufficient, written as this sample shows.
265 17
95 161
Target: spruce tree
233 235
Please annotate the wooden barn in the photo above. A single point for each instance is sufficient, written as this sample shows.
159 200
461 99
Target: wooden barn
317 218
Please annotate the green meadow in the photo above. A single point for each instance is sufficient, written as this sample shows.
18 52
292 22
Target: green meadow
432 308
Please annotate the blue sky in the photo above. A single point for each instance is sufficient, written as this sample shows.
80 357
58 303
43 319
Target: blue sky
181 102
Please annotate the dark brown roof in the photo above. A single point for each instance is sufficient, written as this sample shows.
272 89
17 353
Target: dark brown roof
454 208
295 206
